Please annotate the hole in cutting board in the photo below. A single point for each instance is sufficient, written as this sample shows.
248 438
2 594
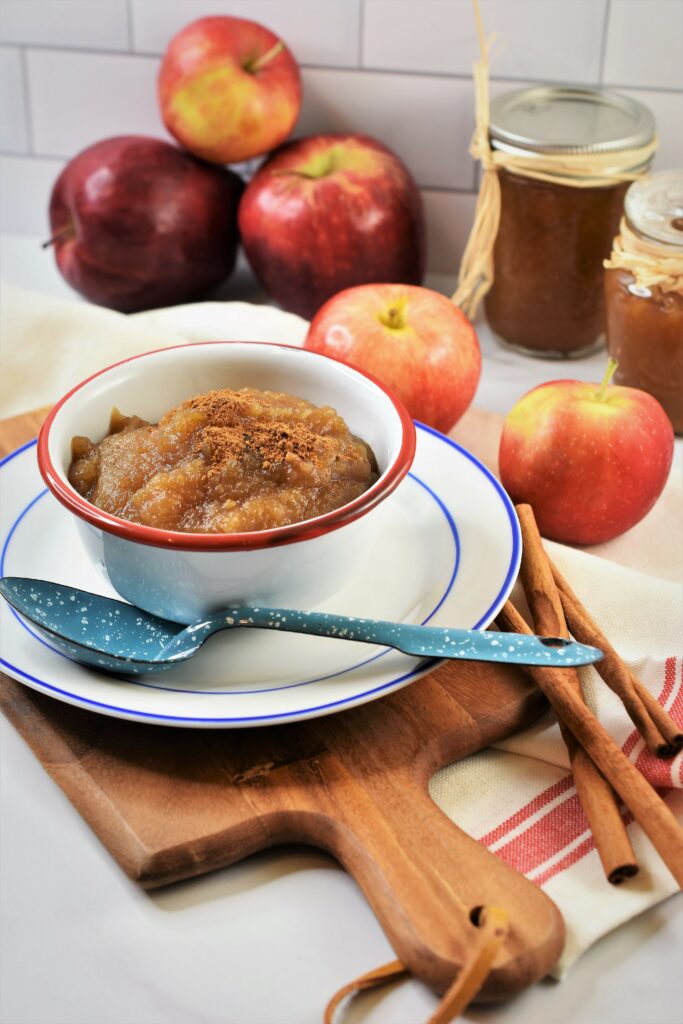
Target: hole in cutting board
475 915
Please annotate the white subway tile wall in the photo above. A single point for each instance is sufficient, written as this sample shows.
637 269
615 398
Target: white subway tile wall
645 44
449 217
558 40
317 31
78 98
426 119
76 71
668 110
14 133
92 24
25 192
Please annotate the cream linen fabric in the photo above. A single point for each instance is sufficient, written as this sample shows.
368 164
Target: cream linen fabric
48 345
517 798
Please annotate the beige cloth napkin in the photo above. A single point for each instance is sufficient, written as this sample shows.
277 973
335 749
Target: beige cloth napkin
518 798
48 345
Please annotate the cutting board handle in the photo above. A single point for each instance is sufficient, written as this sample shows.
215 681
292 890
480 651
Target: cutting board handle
426 881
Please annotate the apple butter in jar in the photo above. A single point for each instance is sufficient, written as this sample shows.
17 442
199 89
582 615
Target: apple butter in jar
566 156
644 292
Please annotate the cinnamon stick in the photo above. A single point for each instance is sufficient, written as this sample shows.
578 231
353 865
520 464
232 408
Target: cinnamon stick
671 732
648 809
595 793
665 739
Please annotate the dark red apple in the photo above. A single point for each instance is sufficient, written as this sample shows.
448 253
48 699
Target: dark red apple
229 89
137 223
414 340
591 459
328 212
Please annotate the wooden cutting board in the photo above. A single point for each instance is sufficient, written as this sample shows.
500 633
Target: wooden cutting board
172 803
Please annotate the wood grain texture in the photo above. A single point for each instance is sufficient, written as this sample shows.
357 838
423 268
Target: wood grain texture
16 431
174 803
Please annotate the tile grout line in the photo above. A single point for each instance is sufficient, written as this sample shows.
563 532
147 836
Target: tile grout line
28 112
456 76
661 89
129 26
7 153
603 48
361 30
65 48
62 158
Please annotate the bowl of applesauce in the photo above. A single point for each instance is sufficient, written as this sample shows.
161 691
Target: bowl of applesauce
220 472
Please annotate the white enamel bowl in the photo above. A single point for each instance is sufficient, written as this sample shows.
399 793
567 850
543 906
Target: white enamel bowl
184 576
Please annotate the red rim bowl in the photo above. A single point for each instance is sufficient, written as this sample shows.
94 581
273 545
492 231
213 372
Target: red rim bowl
305 530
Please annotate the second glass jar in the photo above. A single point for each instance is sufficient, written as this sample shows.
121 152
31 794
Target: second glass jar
645 318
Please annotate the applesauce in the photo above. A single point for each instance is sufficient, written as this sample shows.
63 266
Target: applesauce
645 336
224 462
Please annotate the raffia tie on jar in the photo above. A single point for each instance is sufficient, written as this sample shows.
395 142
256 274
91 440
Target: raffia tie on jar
579 162
646 261
644 292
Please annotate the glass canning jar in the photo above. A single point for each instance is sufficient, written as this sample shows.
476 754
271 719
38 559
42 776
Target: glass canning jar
644 301
547 295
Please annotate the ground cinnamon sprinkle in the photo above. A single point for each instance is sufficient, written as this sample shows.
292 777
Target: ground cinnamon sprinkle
223 408
234 434
272 443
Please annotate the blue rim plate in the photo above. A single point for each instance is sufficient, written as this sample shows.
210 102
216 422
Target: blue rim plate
447 551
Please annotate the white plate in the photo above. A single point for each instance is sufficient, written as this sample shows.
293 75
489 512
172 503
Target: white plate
447 553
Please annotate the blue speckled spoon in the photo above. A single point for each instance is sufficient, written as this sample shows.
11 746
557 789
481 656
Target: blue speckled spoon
120 638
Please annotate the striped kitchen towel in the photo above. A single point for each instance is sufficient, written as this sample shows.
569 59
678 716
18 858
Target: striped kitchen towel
519 799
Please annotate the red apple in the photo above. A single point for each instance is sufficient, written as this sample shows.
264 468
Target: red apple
591 459
137 223
415 341
229 89
329 212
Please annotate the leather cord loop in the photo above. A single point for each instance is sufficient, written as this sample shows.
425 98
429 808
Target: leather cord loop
493 927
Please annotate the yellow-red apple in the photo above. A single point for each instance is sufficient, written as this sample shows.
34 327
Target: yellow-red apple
229 89
328 212
591 459
414 340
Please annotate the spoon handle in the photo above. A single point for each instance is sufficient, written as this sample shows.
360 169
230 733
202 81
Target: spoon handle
421 641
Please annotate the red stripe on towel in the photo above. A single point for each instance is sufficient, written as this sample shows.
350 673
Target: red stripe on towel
545 838
537 804
563 825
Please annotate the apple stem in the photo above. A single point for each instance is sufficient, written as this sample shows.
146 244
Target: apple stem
58 237
607 379
266 58
393 318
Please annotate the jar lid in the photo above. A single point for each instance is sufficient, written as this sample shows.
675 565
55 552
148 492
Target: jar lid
654 207
568 119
